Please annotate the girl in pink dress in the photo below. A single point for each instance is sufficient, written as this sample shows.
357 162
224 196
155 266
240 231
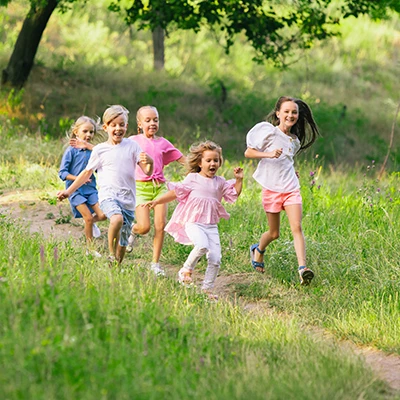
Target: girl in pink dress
195 219
151 187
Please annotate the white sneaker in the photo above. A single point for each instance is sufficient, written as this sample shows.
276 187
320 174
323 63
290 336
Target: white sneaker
93 253
96 231
156 268
131 243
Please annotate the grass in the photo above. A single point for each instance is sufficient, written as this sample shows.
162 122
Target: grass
73 328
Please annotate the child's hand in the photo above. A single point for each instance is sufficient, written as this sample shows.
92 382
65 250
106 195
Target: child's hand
77 143
144 157
274 153
149 204
62 194
238 173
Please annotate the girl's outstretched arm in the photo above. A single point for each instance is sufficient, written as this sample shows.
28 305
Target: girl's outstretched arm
253 153
238 173
80 180
181 160
165 198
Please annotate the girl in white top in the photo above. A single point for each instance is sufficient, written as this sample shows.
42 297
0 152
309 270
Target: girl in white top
290 128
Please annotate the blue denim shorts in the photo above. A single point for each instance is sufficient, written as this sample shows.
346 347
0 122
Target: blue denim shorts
112 207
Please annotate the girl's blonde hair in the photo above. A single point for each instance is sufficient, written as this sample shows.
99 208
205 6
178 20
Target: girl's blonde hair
138 114
78 123
196 153
113 112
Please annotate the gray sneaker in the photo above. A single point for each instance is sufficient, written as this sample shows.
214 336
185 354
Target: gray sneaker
131 243
96 231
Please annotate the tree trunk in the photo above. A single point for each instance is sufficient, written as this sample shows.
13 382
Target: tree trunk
158 48
23 55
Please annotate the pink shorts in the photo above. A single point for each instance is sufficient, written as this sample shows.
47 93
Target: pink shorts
274 202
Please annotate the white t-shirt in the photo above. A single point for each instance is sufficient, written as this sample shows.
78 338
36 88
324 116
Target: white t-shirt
276 174
115 165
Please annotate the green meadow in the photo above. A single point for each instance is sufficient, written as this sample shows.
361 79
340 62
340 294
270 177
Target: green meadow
72 328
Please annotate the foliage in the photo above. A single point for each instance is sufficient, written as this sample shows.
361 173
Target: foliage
272 29
343 79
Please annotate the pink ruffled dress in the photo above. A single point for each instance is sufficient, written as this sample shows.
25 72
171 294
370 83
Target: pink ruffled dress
199 201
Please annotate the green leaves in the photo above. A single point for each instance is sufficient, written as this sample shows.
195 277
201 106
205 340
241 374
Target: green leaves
274 30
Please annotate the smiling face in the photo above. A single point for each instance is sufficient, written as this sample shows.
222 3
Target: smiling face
288 115
116 129
85 132
209 163
148 121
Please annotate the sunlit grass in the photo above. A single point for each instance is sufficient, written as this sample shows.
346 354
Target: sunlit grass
73 328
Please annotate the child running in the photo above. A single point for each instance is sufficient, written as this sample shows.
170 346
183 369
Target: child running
150 187
195 219
290 128
115 162
85 201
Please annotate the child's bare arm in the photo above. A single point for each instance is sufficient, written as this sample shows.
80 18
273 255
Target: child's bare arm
165 198
181 160
238 173
146 163
253 153
80 180
71 177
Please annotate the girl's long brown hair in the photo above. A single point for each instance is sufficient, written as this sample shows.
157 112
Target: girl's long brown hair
305 128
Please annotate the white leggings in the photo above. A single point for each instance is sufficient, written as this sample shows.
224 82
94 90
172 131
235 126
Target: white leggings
205 238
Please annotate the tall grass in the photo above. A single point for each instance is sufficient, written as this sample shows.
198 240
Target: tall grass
71 327
351 235
74 328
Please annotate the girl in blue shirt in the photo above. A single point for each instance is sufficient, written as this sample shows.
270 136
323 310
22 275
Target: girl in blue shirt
84 202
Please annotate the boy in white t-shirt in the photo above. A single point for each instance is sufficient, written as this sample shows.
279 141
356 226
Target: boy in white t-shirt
115 161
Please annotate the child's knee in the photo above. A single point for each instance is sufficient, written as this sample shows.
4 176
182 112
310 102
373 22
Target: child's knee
274 235
142 229
214 259
89 219
199 251
159 226
101 217
116 219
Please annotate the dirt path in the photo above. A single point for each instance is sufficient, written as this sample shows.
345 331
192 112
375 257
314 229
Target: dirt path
32 208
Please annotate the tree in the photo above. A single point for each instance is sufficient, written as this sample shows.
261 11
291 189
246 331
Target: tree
21 61
158 48
274 28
